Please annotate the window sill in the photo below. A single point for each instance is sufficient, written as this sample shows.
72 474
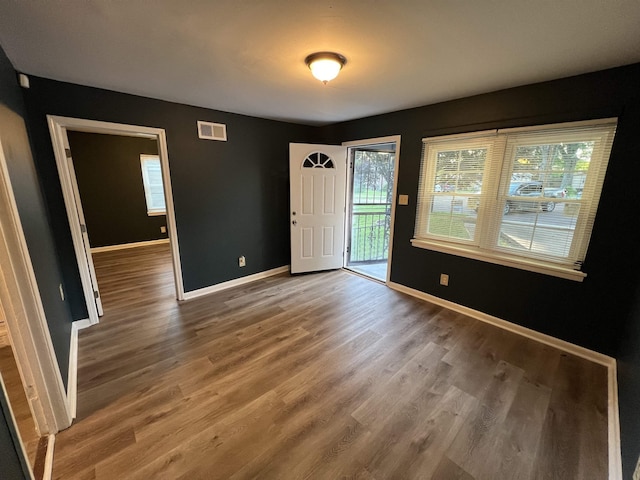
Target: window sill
501 259
155 213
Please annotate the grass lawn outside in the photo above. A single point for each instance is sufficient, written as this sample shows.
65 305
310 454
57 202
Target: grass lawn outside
369 232
448 225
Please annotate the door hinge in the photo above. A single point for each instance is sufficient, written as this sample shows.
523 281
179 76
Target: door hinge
67 152
96 295
83 228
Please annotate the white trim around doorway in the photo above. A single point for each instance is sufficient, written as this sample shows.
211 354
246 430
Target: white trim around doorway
374 141
23 311
58 127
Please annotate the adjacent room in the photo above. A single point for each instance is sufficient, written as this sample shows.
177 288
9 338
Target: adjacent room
322 240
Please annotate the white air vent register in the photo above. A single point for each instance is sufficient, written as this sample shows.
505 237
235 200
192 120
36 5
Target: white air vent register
212 131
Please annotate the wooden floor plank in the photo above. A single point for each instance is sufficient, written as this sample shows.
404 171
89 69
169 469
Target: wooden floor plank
326 375
476 443
20 406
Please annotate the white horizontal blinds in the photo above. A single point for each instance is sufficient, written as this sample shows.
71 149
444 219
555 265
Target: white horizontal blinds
450 190
153 186
549 192
525 196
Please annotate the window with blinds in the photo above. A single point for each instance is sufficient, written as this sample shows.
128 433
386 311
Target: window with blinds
524 197
153 186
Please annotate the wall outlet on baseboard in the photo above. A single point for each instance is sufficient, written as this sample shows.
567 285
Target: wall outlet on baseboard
444 279
163 229
242 261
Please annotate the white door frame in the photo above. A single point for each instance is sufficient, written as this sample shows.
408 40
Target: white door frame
362 143
58 127
83 224
22 308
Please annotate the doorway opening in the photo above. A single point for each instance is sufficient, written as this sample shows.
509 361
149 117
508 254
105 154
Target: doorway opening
58 127
370 206
33 399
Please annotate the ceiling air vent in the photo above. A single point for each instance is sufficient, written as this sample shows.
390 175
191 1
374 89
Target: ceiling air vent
212 131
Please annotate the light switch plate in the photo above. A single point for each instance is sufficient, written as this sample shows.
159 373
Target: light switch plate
403 199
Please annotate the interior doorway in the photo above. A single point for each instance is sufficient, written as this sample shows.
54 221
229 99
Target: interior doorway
58 127
370 206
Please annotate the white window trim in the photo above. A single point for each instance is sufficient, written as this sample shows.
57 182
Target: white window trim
145 183
495 256
501 259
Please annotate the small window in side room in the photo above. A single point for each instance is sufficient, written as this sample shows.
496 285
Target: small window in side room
153 187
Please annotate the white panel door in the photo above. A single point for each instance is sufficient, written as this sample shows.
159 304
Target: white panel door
318 186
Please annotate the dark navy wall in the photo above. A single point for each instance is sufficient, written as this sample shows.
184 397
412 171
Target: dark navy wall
629 389
594 313
33 213
13 465
231 198
109 178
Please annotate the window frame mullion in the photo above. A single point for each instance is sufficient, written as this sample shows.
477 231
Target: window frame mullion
491 216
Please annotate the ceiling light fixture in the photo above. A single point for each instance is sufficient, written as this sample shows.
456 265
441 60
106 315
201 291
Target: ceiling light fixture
325 66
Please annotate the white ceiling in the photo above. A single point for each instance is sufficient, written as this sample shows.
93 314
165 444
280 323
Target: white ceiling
247 56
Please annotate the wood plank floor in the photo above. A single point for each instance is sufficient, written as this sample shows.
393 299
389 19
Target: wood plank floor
17 397
320 376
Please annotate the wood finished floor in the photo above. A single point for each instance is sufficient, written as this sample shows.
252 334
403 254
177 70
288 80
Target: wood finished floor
17 397
320 376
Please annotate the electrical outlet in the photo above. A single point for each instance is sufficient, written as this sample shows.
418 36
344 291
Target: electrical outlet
444 279
242 262
163 229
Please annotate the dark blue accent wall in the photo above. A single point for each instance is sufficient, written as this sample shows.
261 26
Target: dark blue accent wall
231 198
629 389
595 313
33 213
13 465
109 176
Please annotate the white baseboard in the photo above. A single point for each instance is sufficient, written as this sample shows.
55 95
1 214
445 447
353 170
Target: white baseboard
82 324
122 246
72 379
615 458
48 459
234 283
512 327
615 448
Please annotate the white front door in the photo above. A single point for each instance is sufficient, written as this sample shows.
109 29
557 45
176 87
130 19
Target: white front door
318 186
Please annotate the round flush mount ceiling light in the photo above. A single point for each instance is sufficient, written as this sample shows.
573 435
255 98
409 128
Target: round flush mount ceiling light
325 66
